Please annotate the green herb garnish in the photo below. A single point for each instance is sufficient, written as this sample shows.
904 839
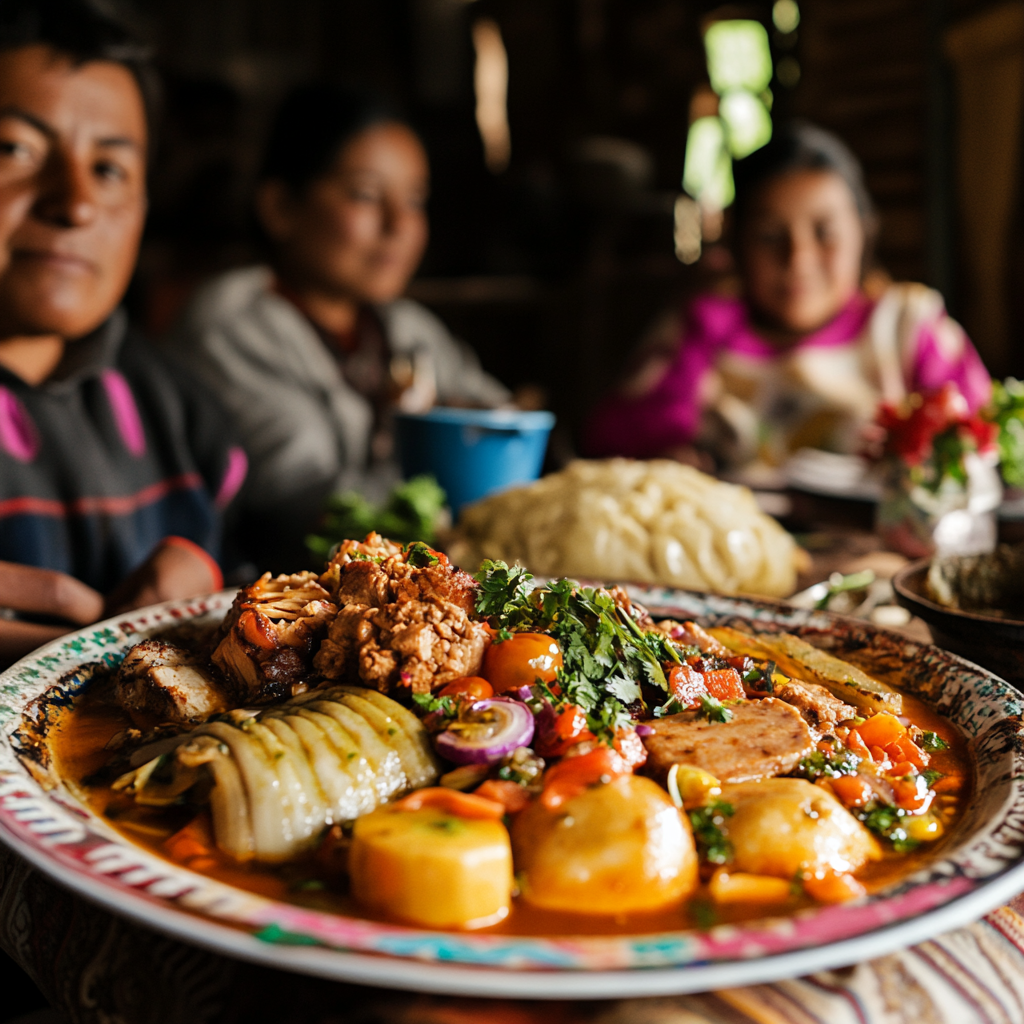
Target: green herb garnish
818 764
419 555
886 821
931 776
707 823
932 741
714 710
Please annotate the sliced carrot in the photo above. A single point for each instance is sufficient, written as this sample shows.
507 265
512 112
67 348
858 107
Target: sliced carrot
881 729
852 790
468 686
510 795
857 746
878 755
572 776
948 784
908 750
833 888
569 729
910 795
451 801
192 841
903 768
724 684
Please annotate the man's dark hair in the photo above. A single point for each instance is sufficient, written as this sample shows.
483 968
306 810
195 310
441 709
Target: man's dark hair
313 125
84 30
800 146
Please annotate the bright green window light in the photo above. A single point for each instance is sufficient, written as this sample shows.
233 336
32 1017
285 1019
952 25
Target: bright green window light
747 121
707 171
739 56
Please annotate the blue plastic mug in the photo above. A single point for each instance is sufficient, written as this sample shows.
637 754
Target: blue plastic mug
473 452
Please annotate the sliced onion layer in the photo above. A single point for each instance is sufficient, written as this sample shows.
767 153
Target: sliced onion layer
486 731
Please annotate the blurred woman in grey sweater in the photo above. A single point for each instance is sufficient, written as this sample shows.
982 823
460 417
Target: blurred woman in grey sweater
314 352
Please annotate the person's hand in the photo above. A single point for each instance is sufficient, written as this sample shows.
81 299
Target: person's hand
26 589
176 570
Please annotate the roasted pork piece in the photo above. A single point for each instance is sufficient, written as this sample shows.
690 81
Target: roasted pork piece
401 625
158 682
763 738
819 709
270 635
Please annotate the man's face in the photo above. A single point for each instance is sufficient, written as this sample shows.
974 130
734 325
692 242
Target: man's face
72 191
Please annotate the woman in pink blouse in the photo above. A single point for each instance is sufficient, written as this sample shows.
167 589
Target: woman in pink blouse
804 355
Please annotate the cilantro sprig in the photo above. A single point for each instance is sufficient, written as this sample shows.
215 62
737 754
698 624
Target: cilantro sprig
707 822
932 741
607 657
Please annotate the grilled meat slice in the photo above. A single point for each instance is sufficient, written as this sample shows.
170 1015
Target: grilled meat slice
819 709
762 739
158 682
270 635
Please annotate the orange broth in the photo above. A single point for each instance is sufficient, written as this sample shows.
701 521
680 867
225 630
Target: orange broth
78 747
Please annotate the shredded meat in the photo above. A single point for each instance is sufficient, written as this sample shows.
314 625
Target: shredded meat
163 683
764 738
270 634
401 625
820 710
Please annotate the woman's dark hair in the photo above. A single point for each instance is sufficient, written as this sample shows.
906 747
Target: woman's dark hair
313 125
84 31
800 146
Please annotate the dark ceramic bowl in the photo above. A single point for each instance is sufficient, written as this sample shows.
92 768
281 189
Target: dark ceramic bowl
995 643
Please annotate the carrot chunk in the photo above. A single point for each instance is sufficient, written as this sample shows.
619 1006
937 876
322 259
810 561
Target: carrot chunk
572 776
852 790
833 888
193 841
857 746
724 684
881 729
510 795
451 801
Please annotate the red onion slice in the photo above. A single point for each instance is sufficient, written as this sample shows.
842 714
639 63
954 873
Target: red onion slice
486 731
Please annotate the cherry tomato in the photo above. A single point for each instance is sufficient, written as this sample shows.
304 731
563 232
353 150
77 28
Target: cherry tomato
572 776
570 728
521 661
471 687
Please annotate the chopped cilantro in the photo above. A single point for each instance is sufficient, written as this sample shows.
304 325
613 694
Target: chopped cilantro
932 741
707 824
502 589
670 707
714 710
428 703
704 913
607 657
818 764
931 776
886 821
419 555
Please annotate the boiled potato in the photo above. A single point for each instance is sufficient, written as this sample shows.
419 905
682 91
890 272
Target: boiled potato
782 826
618 847
432 868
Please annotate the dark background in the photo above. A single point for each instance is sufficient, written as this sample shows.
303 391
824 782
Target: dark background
553 268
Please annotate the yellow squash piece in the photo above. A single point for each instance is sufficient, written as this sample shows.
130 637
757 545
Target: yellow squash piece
431 868
801 660
617 848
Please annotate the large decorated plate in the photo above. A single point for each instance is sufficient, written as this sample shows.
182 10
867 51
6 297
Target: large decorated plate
978 867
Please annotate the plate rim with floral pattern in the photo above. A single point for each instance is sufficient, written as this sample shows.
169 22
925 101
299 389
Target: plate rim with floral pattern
979 869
